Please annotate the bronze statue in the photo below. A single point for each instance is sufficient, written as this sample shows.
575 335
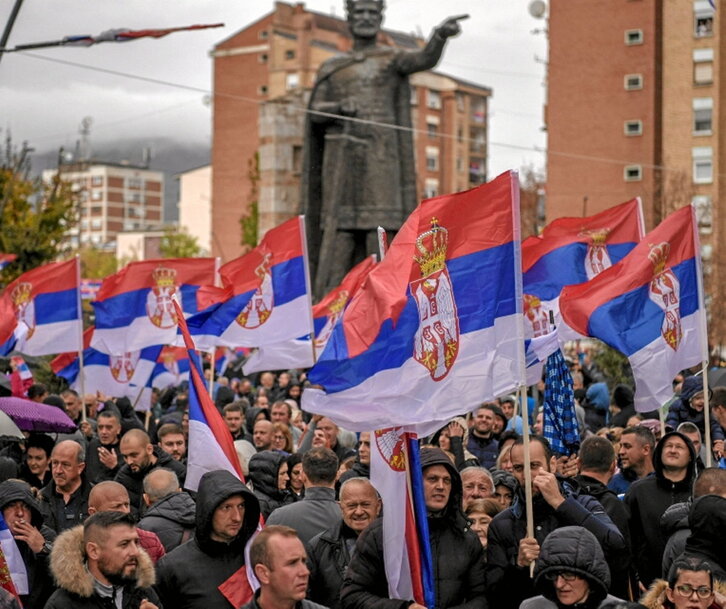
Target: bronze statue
359 168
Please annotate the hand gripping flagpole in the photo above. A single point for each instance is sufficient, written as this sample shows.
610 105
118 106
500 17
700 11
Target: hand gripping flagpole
80 338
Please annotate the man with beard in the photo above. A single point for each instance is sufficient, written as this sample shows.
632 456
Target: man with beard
482 442
102 565
103 458
635 456
141 457
172 441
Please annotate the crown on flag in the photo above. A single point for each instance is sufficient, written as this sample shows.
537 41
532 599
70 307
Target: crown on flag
339 303
21 293
597 235
432 244
164 277
658 255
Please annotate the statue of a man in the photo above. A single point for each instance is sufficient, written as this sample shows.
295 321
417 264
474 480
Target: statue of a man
359 168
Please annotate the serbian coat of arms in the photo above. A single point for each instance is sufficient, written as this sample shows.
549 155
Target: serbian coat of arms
391 446
24 308
536 314
664 290
160 300
123 366
335 311
258 310
436 343
597 258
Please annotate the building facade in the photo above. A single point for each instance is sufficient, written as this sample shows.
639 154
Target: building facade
195 205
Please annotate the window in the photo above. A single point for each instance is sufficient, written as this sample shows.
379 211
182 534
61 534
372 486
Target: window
702 66
431 188
459 102
633 82
477 171
96 223
262 35
292 81
432 158
702 164
432 129
702 116
702 19
290 54
460 135
433 100
704 216
633 37
133 197
262 90
97 210
97 181
297 155
633 173
262 58
96 195
414 96
459 163
634 127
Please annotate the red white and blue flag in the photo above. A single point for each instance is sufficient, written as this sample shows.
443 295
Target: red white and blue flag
13 573
298 353
650 307
210 443
40 311
21 378
6 259
437 326
172 367
396 475
265 298
134 307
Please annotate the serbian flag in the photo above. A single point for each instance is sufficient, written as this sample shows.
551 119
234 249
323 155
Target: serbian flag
40 311
298 353
210 444
437 327
13 574
172 367
6 259
396 475
134 306
21 378
265 297
650 307
571 251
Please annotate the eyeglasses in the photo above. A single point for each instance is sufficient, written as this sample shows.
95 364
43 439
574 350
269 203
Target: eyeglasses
566 575
686 591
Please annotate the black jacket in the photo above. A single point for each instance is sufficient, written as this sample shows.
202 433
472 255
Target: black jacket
60 516
95 470
708 531
33 480
189 576
169 518
647 500
458 560
263 467
40 581
509 584
675 528
328 558
134 481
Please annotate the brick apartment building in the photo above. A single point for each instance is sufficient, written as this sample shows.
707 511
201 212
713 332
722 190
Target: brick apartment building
262 78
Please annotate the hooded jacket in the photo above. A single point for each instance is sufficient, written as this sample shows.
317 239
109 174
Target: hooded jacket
250 419
681 411
458 559
655 597
170 518
576 550
647 500
263 468
623 399
40 582
675 528
75 582
189 576
596 406
708 531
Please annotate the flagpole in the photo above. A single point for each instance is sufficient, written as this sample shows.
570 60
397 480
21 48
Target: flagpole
82 381
308 284
210 384
641 217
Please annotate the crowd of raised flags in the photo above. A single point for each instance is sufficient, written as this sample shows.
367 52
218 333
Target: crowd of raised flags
458 311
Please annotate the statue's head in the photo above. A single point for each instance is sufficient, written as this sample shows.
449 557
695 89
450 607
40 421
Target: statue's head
365 17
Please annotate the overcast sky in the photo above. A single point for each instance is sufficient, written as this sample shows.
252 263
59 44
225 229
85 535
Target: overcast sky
43 102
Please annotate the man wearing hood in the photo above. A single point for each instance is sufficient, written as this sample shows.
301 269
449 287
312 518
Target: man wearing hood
34 540
674 461
690 407
268 482
458 561
227 515
170 511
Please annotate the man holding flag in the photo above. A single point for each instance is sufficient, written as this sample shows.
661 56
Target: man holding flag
456 550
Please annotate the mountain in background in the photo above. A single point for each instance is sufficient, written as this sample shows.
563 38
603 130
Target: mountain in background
167 155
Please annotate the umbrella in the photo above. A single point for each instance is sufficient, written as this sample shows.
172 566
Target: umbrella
8 429
32 416
5 385
717 377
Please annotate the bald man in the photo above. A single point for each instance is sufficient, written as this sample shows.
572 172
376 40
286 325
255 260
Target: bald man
141 457
110 496
171 513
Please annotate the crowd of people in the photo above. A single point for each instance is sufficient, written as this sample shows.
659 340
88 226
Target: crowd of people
101 518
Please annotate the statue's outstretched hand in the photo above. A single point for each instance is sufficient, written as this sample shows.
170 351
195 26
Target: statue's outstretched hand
451 26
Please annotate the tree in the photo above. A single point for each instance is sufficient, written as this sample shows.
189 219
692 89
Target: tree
249 223
178 243
531 191
34 215
96 263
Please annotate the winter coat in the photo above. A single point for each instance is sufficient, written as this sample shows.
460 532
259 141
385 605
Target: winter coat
681 411
675 528
75 582
134 481
189 576
25 474
647 500
623 399
484 449
458 557
596 405
60 516
310 516
95 470
328 558
40 582
359 470
655 597
576 550
509 584
263 468
169 518
708 531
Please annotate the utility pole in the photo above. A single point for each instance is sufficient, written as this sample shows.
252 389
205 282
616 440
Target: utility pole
9 26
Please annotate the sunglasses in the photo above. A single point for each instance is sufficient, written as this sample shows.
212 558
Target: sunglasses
566 575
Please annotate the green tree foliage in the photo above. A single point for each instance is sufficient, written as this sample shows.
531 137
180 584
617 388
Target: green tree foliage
34 216
250 222
97 263
178 243
614 365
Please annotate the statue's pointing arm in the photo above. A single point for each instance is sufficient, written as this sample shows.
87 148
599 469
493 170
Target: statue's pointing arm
429 56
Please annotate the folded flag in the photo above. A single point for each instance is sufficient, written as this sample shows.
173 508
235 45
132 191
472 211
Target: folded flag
13 574
172 367
437 326
40 311
134 306
265 298
21 378
650 307
298 353
210 443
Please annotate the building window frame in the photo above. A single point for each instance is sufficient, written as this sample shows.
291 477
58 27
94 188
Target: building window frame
703 67
703 15
632 128
703 205
633 37
633 173
633 82
702 164
433 99
702 116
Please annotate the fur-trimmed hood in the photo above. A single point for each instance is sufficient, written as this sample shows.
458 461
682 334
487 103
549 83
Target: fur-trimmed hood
68 565
655 597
